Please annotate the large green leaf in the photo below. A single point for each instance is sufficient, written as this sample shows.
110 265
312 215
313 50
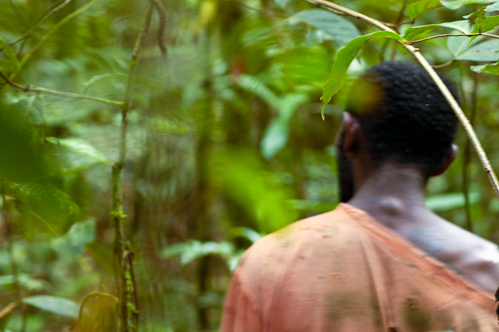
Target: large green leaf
98 313
413 32
486 51
489 69
344 58
57 305
455 4
338 27
419 7
82 153
457 45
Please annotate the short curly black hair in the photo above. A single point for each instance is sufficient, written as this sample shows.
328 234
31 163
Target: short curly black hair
404 115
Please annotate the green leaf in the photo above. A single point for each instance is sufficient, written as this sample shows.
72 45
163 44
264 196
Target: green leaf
256 86
457 45
450 201
419 7
84 148
489 69
76 239
455 4
486 51
413 32
25 281
98 312
246 233
10 54
57 305
484 24
45 208
276 134
336 26
98 78
193 249
344 58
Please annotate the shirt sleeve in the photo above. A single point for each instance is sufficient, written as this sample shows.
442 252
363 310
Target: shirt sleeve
239 314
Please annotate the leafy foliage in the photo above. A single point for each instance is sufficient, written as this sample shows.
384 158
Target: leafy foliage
225 142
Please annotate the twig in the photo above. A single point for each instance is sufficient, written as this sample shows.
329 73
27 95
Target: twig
161 25
123 255
445 64
8 309
30 31
29 88
438 81
453 35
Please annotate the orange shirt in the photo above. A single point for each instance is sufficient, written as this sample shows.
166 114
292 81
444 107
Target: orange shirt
343 271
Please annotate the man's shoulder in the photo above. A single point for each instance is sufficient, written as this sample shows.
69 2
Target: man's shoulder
320 233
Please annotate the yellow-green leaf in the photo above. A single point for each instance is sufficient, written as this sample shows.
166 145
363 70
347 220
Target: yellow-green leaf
419 7
344 58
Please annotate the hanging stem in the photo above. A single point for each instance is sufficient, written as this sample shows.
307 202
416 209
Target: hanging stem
129 314
438 81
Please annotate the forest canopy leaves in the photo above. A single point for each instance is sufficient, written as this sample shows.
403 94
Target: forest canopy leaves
338 27
344 58
419 7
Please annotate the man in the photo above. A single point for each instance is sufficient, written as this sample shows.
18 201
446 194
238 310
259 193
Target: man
382 262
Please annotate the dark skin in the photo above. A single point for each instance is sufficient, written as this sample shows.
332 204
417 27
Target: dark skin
394 193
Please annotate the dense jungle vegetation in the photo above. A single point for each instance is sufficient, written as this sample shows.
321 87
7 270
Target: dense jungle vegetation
145 144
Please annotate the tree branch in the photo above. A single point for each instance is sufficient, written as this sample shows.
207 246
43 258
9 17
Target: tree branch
453 35
438 81
29 88
129 315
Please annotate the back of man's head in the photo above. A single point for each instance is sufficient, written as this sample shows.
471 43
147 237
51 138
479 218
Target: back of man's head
403 115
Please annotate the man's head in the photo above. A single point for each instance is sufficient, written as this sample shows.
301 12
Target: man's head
401 117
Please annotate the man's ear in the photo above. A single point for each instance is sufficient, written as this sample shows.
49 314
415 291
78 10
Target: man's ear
449 158
352 130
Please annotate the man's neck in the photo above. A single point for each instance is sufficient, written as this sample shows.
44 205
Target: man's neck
391 193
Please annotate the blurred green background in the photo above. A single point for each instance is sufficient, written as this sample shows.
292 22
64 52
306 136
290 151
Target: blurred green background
225 144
